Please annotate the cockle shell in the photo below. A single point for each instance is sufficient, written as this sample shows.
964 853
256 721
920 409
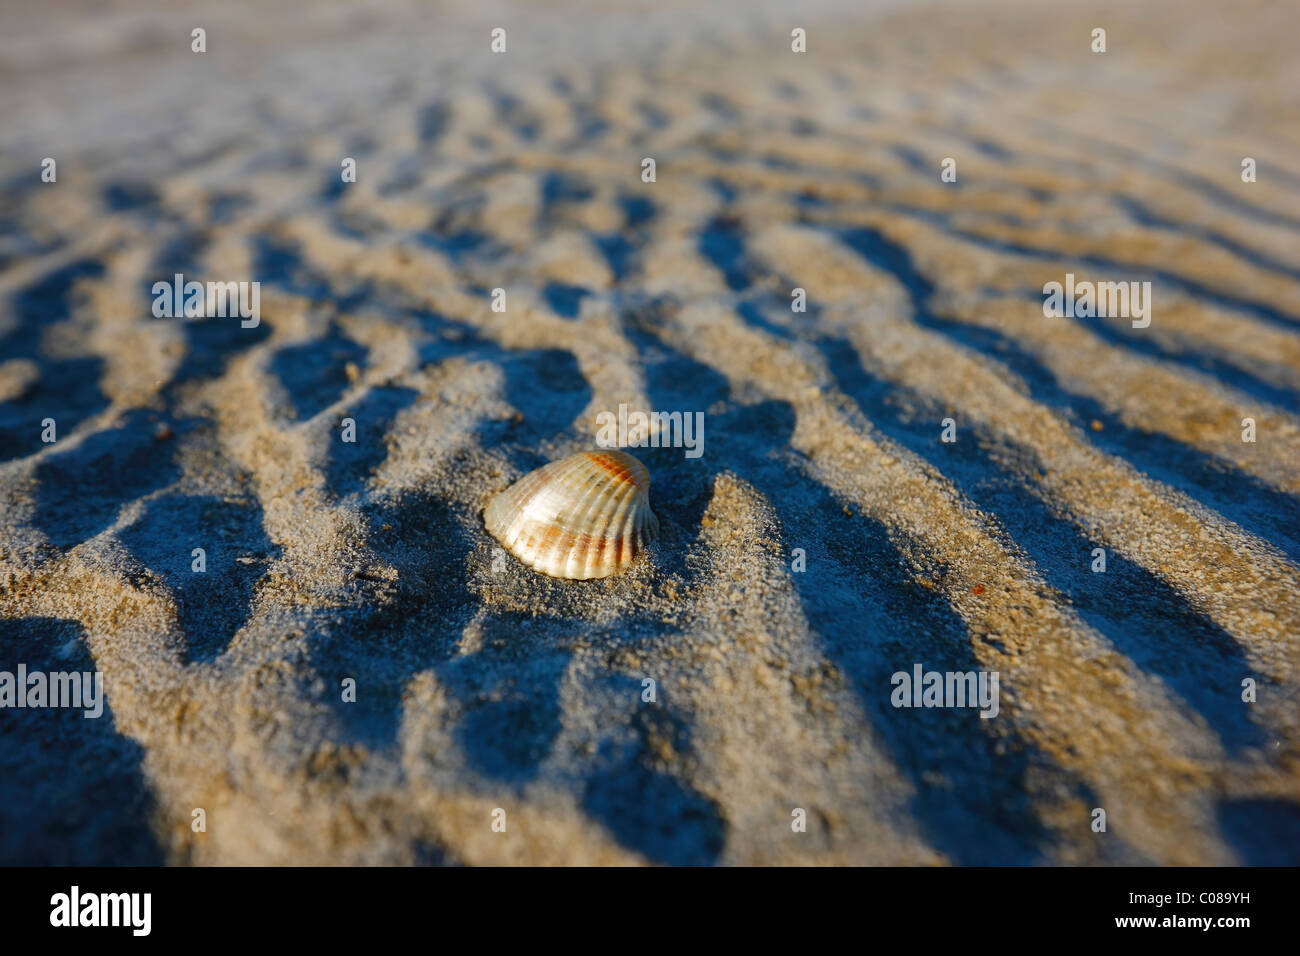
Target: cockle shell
585 516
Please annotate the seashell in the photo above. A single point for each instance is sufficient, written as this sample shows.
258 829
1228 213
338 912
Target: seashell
585 516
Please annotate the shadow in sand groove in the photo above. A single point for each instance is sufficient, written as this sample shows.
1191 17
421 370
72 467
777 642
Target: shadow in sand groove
1241 498
352 463
546 385
314 374
1203 360
646 809
409 624
1264 831
504 697
565 300
81 489
72 791
213 604
1160 277
970 783
66 389
1141 615
512 700
1214 482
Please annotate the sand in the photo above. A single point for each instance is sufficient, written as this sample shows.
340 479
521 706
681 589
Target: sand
826 538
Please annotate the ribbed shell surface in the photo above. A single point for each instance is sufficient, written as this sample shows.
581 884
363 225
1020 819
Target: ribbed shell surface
585 516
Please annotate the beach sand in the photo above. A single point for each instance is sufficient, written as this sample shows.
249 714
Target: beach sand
825 539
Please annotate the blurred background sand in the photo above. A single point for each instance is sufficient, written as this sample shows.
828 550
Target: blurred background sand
481 685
